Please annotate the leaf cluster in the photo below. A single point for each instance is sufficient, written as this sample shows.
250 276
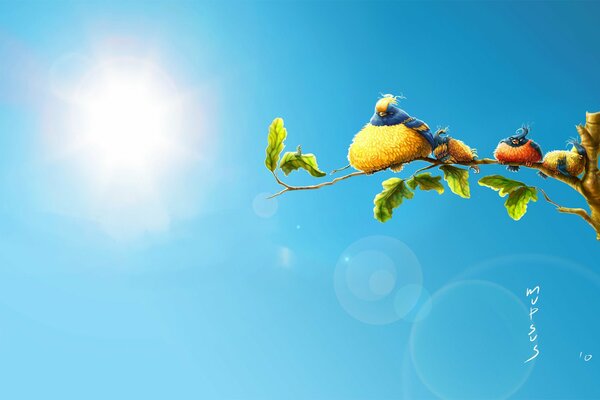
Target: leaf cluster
395 190
519 194
291 161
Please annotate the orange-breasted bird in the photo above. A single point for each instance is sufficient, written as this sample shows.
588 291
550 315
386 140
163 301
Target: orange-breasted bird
565 162
449 150
517 149
390 139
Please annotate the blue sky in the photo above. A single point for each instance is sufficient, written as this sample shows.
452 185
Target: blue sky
199 288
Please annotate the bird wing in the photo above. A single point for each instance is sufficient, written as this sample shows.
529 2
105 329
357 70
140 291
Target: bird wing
417 125
537 148
561 166
441 152
422 128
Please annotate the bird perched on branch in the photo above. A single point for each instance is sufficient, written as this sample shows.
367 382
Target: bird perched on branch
390 139
450 151
565 162
517 149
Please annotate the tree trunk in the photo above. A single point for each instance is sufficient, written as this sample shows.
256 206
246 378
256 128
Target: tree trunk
590 185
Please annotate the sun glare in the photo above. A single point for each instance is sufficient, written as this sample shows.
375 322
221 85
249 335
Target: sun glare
128 117
125 146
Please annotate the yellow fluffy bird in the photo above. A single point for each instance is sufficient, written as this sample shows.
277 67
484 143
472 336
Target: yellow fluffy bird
390 139
564 162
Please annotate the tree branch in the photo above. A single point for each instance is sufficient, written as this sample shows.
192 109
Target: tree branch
590 140
573 182
566 210
288 188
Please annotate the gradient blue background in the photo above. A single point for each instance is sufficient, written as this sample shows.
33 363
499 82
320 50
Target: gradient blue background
204 309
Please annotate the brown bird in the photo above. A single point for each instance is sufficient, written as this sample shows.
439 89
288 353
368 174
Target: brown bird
451 151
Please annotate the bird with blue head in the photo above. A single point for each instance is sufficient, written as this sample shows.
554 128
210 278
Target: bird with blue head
390 139
518 149
451 151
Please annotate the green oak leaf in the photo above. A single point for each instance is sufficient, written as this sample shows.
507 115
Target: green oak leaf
501 184
292 161
277 134
519 194
458 180
394 192
426 182
516 203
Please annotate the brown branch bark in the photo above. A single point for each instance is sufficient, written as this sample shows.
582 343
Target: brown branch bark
572 181
288 188
567 210
590 183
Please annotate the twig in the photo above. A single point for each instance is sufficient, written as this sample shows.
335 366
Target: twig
340 169
566 210
548 199
424 169
288 188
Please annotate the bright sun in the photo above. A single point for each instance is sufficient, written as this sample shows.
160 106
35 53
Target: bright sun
124 140
129 117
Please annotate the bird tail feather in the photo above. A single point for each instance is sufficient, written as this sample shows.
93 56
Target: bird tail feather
397 167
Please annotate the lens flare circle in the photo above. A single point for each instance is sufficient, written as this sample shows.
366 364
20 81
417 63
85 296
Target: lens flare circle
565 285
474 342
382 282
413 302
371 279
